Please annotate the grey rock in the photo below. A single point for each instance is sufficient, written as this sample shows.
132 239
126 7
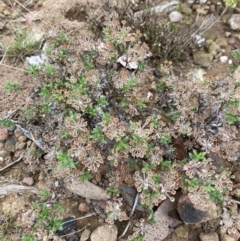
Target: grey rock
86 189
234 22
196 213
129 193
209 236
10 145
106 232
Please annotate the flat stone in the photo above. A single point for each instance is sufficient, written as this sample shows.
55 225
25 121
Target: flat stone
105 232
86 189
209 236
234 22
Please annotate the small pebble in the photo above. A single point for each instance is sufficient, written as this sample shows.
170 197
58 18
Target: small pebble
41 176
1 160
83 207
175 16
17 154
22 145
22 138
3 153
223 59
227 34
3 134
229 61
29 143
42 185
28 181
18 132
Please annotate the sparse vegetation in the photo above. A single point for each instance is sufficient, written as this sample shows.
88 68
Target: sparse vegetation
103 111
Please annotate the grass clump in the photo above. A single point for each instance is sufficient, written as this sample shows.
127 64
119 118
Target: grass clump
7 227
24 44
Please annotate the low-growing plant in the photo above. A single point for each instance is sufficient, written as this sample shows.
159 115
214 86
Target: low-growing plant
48 216
28 237
10 87
231 3
65 161
9 124
236 59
